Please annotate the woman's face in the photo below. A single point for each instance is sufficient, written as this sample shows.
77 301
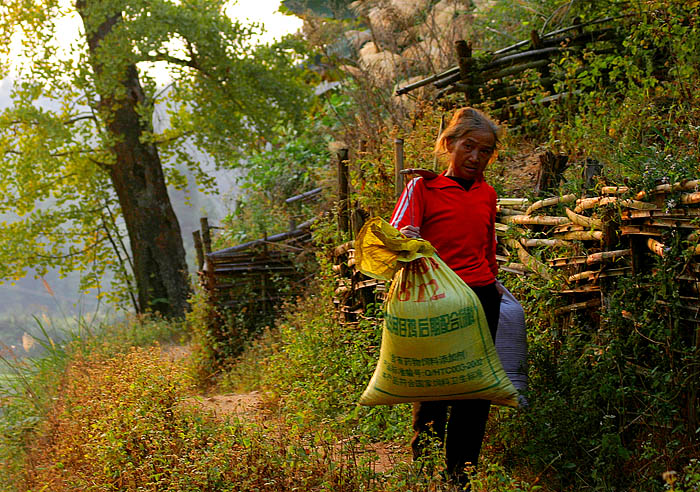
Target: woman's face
469 155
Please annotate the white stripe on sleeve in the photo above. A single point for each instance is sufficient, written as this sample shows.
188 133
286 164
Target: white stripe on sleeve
404 202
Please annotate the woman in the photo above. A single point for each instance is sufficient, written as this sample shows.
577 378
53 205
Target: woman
456 212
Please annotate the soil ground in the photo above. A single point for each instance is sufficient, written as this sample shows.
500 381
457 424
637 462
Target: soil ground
251 407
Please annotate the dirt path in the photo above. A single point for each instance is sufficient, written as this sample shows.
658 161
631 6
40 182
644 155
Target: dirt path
251 407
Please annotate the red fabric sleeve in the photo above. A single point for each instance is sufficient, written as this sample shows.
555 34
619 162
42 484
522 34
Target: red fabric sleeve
409 208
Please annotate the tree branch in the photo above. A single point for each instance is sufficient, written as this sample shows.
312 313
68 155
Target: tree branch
75 253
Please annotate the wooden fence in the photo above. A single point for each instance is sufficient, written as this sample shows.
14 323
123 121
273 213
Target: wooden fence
498 76
257 275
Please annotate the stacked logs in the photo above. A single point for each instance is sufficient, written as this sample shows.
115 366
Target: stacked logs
601 237
580 250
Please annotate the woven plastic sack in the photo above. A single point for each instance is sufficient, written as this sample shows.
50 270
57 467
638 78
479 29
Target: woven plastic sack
436 343
511 342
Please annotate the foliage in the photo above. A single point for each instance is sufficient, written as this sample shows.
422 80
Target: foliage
639 115
621 387
318 367
59 139
292 163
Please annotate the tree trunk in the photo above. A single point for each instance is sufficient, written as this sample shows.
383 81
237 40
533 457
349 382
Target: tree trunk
160 269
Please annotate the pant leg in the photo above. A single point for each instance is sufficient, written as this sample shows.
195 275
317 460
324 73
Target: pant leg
429 419
465 433
467 421
490 300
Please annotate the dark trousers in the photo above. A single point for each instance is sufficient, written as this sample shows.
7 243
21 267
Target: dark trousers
467 418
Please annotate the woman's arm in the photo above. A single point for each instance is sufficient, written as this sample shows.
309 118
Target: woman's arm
408 212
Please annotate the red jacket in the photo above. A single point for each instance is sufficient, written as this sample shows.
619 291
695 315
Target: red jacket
460 224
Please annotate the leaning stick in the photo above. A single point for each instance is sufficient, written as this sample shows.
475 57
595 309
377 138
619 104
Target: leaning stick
528 260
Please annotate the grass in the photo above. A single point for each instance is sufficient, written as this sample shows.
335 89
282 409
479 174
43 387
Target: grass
31 386
114 417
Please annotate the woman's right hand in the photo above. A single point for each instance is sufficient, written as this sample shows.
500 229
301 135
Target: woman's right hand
410 231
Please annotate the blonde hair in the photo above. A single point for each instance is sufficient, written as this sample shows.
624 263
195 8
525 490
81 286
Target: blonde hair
464 121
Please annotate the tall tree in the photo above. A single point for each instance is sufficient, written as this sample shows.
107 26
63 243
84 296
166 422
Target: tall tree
80 156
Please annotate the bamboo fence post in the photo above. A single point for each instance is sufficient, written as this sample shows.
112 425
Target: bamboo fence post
206 234
343 191
442 127
466 64
198 249
610 243
398 167
545 76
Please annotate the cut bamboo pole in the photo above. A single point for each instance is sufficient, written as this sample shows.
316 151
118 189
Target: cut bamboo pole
577 306
518 202
587 275
656 247
614 190
517 268
584 221
343 248
690 198
567 228
553 243
528 260
583 236
607 255
560 262
582 289
598 201
668 188
588 203
548 202
508 211
535 220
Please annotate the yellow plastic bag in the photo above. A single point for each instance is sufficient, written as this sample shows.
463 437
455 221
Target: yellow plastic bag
436 343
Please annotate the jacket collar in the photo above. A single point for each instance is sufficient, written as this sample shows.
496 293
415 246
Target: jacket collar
441 181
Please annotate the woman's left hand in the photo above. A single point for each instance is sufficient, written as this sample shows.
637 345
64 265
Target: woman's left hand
411 232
